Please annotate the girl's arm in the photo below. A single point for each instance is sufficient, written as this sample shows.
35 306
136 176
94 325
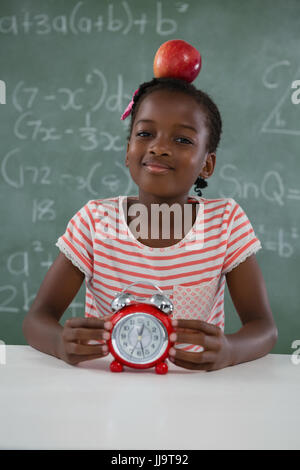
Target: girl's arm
256 337
41 325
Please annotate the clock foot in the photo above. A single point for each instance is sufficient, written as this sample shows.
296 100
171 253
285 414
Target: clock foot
161 368
116 366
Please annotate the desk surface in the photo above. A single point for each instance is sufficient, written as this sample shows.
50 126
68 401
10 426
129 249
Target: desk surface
48 404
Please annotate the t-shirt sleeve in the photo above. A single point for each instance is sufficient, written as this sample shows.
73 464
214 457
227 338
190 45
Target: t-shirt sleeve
77 241
241 239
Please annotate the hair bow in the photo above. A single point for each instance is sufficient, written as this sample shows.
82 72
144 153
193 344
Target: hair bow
129 107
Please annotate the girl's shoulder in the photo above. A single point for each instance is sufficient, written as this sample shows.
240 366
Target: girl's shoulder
225 208
103 203
213 200
99 202
217 203
94 209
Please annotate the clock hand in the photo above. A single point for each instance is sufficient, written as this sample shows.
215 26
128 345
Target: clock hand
142 348
140 338
140 332
134 347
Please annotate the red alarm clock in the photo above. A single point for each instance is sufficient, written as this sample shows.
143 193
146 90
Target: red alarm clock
140 336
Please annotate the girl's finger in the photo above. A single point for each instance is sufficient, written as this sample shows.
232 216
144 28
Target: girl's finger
189 357
198 325
86 349
94 323
191 365
209 342
86 334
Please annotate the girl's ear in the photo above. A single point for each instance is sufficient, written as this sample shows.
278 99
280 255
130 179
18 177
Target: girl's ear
208 166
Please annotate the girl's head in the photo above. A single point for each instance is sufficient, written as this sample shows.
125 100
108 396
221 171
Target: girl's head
172 122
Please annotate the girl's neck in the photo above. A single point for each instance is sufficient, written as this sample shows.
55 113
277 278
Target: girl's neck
184 221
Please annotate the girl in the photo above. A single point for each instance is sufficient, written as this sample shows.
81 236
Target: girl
174 133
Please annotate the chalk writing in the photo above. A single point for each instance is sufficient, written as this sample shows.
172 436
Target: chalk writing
20 266
271 188
117 19
8 293
17 175
279 241
43 210
30 126
275 122
25 97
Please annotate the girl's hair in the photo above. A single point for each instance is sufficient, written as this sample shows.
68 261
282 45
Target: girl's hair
213 117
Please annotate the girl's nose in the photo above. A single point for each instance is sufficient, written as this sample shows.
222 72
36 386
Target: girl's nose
159 146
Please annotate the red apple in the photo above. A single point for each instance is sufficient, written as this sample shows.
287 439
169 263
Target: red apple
178 59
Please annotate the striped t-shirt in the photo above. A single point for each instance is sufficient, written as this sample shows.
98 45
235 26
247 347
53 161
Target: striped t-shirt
191 272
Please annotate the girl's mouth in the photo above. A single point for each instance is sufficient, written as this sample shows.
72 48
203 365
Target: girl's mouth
156 169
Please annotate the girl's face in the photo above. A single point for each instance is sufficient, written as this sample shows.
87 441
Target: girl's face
169 128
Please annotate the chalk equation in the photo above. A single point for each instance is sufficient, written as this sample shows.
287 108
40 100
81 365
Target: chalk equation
20 266
17 174
280 120
86 100
10 301
281 241
271 188
27 96
117 18
29 127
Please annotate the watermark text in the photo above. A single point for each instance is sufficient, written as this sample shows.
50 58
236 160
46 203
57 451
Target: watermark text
2 353
295 358
296 94
2 92
160 222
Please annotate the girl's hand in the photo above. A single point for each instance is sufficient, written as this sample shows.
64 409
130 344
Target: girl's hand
217 351
75 337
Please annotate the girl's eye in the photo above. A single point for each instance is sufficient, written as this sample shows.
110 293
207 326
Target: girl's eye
181 140
184 140
143 134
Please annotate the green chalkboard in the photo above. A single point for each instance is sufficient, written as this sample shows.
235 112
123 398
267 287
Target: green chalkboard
69 70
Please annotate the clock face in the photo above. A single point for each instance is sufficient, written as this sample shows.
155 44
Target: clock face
139 338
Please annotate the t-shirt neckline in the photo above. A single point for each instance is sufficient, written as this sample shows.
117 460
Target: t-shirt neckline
177 245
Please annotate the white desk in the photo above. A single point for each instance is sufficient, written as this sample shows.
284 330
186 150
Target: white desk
48 404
